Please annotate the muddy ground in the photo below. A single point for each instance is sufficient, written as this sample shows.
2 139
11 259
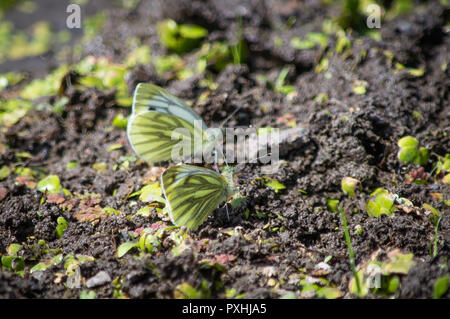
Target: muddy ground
272 245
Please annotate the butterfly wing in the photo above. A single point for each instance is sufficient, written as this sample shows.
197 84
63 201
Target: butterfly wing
151 135
192 193
149 97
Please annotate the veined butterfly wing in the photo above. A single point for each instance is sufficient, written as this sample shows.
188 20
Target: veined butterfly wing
149 97
192 193
150 135
156 115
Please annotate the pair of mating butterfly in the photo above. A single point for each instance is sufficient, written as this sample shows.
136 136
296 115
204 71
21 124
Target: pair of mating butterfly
191 192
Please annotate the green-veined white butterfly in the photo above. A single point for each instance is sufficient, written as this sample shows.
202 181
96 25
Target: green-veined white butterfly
156 115
193 192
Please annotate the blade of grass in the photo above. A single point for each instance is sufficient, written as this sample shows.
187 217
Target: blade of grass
436 230
237 50
351 253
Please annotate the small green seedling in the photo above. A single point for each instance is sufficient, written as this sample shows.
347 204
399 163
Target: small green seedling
180 37
280 85
351 253
5 171
87 294
42 266
435 218
239 50
382 277
410 152
440 286
186 291
320 287
310 41
332 205
150 193
62 225
12 261
359 89
382 203
443 165
273 184
50 184
348 185
71 165
148 242
124 248
120 121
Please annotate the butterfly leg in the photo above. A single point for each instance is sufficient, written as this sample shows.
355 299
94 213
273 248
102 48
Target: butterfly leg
228 215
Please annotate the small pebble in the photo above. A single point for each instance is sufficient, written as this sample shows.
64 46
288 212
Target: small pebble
99 279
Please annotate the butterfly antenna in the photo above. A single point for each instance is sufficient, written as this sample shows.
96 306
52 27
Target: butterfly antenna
230 116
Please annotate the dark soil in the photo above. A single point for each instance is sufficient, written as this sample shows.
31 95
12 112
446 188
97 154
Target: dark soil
347 135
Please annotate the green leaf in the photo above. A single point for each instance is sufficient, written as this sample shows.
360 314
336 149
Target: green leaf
440 287
373 209
51 184
192 31
13 249
274 184
47 264
186 291
12 110
13 263
120 121
407 154
87 294
45 87
359 89
152 193
288 295
431 209
353 287
71 165
332 205
298 44
399 264
125 248
385 201
348 185
140 55
180 38
408 141
329 292
62 225
422 156
100 167
148 242
416 72
392 284
9 79
144 211
446 179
